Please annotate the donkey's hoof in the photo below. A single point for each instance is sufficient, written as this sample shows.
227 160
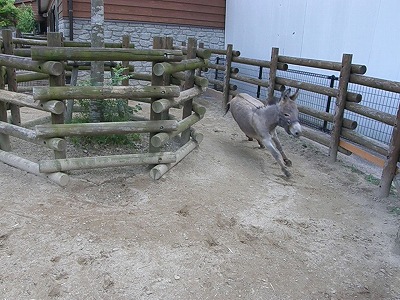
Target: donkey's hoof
287 162
287 173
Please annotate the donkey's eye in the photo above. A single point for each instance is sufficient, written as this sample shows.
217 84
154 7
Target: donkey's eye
287 115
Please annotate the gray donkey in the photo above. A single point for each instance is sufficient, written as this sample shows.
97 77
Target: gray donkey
259 121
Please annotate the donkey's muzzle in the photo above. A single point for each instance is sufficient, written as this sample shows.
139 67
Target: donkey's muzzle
295 129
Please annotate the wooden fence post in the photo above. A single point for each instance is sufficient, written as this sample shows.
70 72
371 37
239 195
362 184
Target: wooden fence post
4 138
227 75
272 74
55 39
155 81
201 46
390 167
344 78
11 76
189 83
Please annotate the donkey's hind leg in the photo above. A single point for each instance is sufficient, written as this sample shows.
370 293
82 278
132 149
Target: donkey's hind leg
249 138
278 145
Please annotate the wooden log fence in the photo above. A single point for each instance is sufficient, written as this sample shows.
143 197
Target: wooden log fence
37 65
343 128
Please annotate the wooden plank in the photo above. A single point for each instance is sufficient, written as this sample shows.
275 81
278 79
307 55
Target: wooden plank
208 13
362 153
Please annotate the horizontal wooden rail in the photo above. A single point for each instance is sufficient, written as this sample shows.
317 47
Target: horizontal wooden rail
49 67
24 52
350 124
31 76
223 52
382 84
321 138
250 80
103 92
200 52
198 80
83 163
320 64
55 107
29 42
328 91
104 54
161 105
218 67
57 130
15 161
258 63
30 136
371 113
160 69
88 44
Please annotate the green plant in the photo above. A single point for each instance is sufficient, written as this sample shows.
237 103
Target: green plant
372 179
395 210
26 19
117 110
8 13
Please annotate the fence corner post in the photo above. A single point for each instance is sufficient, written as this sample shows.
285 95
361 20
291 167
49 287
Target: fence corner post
344 78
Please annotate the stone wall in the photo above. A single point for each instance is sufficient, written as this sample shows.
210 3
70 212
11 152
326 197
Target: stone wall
142 35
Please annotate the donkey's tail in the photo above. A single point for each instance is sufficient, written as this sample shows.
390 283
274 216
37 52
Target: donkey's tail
228 106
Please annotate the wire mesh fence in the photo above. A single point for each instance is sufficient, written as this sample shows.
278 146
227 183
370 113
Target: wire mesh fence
375 98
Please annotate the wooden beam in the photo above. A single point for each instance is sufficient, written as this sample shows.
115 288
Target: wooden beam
57 130
362 153
32 167
84 163
104 54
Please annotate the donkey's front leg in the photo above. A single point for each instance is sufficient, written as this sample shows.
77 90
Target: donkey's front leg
278 145
268 144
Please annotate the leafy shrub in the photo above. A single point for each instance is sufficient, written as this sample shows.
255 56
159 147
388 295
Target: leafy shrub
26 19
8 13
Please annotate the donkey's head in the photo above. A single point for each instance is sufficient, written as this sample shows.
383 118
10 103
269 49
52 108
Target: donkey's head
289 113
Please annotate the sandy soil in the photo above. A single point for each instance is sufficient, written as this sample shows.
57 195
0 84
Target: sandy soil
223 224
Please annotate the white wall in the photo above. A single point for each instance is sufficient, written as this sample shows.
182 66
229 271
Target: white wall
320 29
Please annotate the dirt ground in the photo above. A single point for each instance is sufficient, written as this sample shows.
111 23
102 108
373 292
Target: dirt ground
222 224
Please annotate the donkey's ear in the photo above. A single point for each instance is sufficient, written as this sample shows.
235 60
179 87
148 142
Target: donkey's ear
295 95
285 93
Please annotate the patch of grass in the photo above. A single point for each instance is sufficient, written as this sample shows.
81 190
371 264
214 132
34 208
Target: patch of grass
395 210
372 179
355 170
